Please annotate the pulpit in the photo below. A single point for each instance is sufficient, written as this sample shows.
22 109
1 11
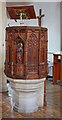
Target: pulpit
26 66
26 52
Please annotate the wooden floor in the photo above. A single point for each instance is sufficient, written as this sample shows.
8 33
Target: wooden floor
51 110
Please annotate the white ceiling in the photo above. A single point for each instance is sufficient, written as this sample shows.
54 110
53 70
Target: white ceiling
27 2
30 1
18 3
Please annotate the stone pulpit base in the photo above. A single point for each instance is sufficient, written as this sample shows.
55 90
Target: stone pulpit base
27 95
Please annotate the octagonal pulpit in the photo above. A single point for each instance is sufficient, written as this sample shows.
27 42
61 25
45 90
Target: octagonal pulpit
26 52
26 66
26 60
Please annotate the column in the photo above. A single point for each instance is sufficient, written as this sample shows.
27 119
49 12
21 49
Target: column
1 47
4 19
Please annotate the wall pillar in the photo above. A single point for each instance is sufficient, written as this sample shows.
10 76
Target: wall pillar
0 47
4 20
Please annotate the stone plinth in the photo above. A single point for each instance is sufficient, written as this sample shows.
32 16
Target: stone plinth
27 95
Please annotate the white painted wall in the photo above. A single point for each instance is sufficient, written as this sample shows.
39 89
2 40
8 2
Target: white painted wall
0 46
3 21
61 22
0 59
51 21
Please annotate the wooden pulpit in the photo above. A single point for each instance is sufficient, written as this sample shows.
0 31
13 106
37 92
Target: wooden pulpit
26 46
26 50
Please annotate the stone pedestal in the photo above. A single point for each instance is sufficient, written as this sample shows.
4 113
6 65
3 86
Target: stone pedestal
27 95
4 83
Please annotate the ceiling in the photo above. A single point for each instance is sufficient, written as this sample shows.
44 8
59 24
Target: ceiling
18 3
24 2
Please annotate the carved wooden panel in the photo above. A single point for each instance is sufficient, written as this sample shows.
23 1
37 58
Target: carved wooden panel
43 53
20 71
26 52
32 53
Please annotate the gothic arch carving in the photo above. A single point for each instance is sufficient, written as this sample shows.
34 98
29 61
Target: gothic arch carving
19 51
32 49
